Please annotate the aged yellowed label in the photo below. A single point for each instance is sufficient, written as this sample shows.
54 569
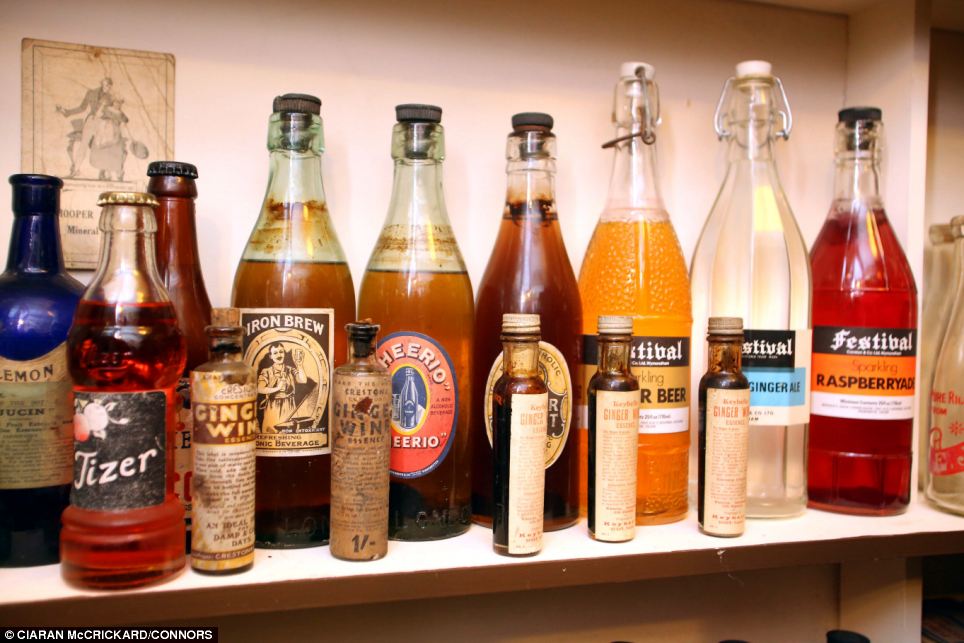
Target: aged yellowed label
614 515
222 484
360 454
724 476
36 422
290 352
527 478
555 373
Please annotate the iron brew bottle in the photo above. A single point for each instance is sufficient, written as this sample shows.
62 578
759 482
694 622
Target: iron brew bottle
37 303
864 339
172 184
751 262
294 290
416 287
529 272
124 526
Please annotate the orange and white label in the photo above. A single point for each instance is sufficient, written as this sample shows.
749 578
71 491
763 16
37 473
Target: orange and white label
864 373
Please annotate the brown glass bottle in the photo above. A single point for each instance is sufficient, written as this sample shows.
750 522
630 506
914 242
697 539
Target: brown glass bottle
172 184
520 410
294 288
529 272
416 286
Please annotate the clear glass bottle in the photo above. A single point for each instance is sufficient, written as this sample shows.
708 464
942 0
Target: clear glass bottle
940 276
529 272
945 483
294 287
417 287
634 266
864 339
520 409
751 262
125 354
37 303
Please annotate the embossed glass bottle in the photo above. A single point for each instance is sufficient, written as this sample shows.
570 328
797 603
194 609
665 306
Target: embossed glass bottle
529 272
751 262
294 289
417 288
37 303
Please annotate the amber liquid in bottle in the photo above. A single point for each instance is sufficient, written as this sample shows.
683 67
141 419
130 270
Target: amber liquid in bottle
417 288
293 261
119 345
529 272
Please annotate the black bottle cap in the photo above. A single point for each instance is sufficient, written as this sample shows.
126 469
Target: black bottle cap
172 168
35 194
417 113
532 119
853 114
846 636
297 104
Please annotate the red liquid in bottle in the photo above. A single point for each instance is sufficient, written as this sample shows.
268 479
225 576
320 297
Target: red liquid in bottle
861 280
122 347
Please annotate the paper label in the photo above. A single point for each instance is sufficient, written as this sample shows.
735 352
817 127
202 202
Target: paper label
222 485
864 373
776 362
554 371
946 452
615 459
724 477
290 352
183 455
120 450
36 422
527 477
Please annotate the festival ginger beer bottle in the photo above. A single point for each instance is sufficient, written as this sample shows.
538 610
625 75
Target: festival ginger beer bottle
295 294
529 272
417 288
751 262
634 266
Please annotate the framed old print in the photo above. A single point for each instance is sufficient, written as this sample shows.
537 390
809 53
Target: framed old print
95 117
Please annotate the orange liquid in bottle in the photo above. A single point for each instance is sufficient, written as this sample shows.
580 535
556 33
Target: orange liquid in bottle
634 266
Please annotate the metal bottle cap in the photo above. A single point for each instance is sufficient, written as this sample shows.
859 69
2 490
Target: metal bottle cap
126 198
615 324
418 113
172 168
725 326
532 119
297 104
519 324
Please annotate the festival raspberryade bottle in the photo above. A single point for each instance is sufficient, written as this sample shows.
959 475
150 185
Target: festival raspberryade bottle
37 303
124 526
416 287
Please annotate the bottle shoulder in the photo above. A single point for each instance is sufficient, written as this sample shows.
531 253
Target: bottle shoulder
35 314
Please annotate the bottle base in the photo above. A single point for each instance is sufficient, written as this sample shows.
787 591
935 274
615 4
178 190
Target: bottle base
664 518
503 550
223 572
419 534
775 509
945 506
858 510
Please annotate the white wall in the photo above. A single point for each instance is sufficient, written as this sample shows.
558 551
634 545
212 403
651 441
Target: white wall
945 140
481 62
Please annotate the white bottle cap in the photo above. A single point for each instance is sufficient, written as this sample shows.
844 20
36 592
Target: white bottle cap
753 68
628 70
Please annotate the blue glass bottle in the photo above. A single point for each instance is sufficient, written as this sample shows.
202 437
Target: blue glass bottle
37 302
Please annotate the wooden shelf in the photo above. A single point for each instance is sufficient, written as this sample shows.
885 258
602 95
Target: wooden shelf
294 579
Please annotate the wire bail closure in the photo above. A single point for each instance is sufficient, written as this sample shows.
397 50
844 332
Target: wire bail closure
650 117
782 109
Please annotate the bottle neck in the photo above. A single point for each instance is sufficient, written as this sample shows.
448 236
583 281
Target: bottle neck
128 266
417 197
295 177
177 238
35 245
725 355
521 356
361 350
752 141
614 354
634 184
225 350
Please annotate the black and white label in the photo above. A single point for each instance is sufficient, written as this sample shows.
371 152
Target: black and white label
120 450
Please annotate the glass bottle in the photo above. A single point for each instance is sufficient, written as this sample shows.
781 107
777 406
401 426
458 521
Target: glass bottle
634 266
37 303
613 427
945 483
125 355
173 185
864 339
520 424
293 285
724 432
225 424
417 287
529 272
751 262
940 276
360 450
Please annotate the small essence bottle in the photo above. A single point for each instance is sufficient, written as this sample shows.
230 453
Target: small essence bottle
724 416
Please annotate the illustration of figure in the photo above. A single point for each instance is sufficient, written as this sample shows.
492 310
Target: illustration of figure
276 387
409 407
